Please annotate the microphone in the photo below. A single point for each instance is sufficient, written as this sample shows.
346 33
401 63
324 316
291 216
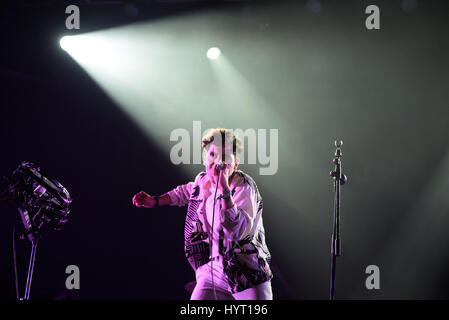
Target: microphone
220 166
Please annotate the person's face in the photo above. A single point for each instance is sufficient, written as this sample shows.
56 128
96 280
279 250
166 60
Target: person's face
213 155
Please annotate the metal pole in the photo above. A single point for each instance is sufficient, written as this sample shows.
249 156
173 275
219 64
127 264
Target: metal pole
30 269
339 179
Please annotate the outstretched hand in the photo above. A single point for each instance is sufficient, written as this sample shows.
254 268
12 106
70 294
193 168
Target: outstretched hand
143 199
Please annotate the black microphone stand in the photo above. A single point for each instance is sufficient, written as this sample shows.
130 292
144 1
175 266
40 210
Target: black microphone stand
339 180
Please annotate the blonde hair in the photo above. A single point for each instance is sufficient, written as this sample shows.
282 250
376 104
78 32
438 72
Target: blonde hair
219 136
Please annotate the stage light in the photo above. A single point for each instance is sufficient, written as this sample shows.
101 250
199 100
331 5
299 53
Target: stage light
213 53
65 43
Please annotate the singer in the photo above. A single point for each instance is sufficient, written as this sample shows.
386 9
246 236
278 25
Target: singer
237 267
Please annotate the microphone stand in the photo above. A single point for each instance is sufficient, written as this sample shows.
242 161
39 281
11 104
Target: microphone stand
33 235
339 180
30 268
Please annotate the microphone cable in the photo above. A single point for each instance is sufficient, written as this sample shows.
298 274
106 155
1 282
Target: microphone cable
212 237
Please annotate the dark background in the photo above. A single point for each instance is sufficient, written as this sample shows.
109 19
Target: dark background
383 92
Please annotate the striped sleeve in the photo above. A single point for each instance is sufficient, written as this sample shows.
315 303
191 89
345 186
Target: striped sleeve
180 195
